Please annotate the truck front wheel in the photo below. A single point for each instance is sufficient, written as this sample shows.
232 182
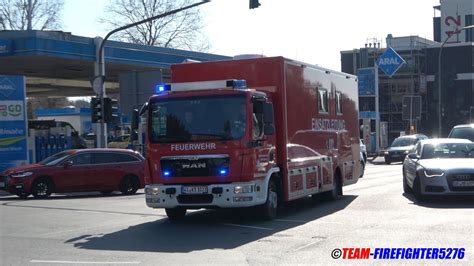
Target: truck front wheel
268 210
175 213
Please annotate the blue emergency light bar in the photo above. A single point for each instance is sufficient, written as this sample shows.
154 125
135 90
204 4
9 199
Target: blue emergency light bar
202 85
162 88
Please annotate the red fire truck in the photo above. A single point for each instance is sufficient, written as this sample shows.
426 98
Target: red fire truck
250 133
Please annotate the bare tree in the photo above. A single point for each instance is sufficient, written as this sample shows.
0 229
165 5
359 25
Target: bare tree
30 14
181 30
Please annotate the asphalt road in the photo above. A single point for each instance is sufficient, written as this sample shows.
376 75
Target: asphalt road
90 229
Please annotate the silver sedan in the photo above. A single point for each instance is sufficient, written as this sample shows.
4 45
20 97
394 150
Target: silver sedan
440 167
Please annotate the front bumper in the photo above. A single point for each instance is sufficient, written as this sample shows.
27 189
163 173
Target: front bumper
14 186
441 185
217 196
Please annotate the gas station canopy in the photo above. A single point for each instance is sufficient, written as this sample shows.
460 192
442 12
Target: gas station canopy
59 64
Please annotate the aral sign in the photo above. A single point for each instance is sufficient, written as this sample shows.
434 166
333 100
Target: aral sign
13 123
390 61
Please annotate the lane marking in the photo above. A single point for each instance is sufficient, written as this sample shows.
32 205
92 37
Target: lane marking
305 246
84 262
248 226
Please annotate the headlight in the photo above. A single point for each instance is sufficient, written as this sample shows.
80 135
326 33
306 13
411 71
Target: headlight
407 152
386 152
21 174
433 173
243 189
152 191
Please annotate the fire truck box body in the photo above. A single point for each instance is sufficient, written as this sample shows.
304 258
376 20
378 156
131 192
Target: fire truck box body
314 147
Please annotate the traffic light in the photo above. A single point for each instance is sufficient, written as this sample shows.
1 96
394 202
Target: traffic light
254 4
95 110
111 110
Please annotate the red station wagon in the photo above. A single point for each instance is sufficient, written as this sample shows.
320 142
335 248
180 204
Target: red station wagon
84 170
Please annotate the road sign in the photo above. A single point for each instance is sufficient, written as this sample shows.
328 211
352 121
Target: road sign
366 81
390 62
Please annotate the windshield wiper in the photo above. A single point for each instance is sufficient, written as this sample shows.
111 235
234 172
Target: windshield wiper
211 135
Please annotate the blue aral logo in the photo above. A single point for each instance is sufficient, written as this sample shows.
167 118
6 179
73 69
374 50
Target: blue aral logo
6 87
390 62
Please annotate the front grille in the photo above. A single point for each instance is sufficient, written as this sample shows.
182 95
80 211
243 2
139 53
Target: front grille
186 166
460 177
195 199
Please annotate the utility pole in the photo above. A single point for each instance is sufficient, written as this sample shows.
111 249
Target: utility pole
100 66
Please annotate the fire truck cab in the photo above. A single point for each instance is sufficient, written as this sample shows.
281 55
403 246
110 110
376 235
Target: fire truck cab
250 133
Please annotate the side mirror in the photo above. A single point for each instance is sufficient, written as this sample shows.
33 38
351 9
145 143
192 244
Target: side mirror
268 129
133 135
268 113
68 164
143 109
413 156
135 118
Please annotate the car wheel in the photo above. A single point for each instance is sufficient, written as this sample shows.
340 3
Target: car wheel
336 191
175 213
268 210
417 189
106 192
42 188
129 185
23 195
387 160
406 188
362 169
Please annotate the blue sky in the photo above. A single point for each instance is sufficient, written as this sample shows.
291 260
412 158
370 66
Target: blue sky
311 31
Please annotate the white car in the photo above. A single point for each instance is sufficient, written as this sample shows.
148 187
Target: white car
440 167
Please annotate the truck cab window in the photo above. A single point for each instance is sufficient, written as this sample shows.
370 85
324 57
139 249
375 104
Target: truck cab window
257 120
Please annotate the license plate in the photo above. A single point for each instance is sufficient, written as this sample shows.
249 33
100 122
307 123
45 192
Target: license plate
463 183
195 190
2 184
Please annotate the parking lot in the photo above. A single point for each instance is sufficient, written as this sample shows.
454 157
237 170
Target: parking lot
88 228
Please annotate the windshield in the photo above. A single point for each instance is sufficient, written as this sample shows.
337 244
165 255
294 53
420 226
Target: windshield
197 119
400 142
448 150
55 159
463 133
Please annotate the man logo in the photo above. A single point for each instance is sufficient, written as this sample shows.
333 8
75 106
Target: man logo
194 166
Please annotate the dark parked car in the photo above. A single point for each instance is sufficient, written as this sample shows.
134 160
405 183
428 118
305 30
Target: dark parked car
440 167
103 170
401 146
462 132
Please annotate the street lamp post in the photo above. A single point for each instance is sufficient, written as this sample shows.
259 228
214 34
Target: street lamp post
101 68
439 74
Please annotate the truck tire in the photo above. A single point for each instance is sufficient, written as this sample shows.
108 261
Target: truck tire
175 213
336 191
42 188
268 210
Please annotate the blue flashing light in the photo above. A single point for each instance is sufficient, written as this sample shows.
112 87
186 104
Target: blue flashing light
237 83
223 171
162 88
166 173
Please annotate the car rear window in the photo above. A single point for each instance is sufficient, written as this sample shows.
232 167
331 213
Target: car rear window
462 133
401 142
